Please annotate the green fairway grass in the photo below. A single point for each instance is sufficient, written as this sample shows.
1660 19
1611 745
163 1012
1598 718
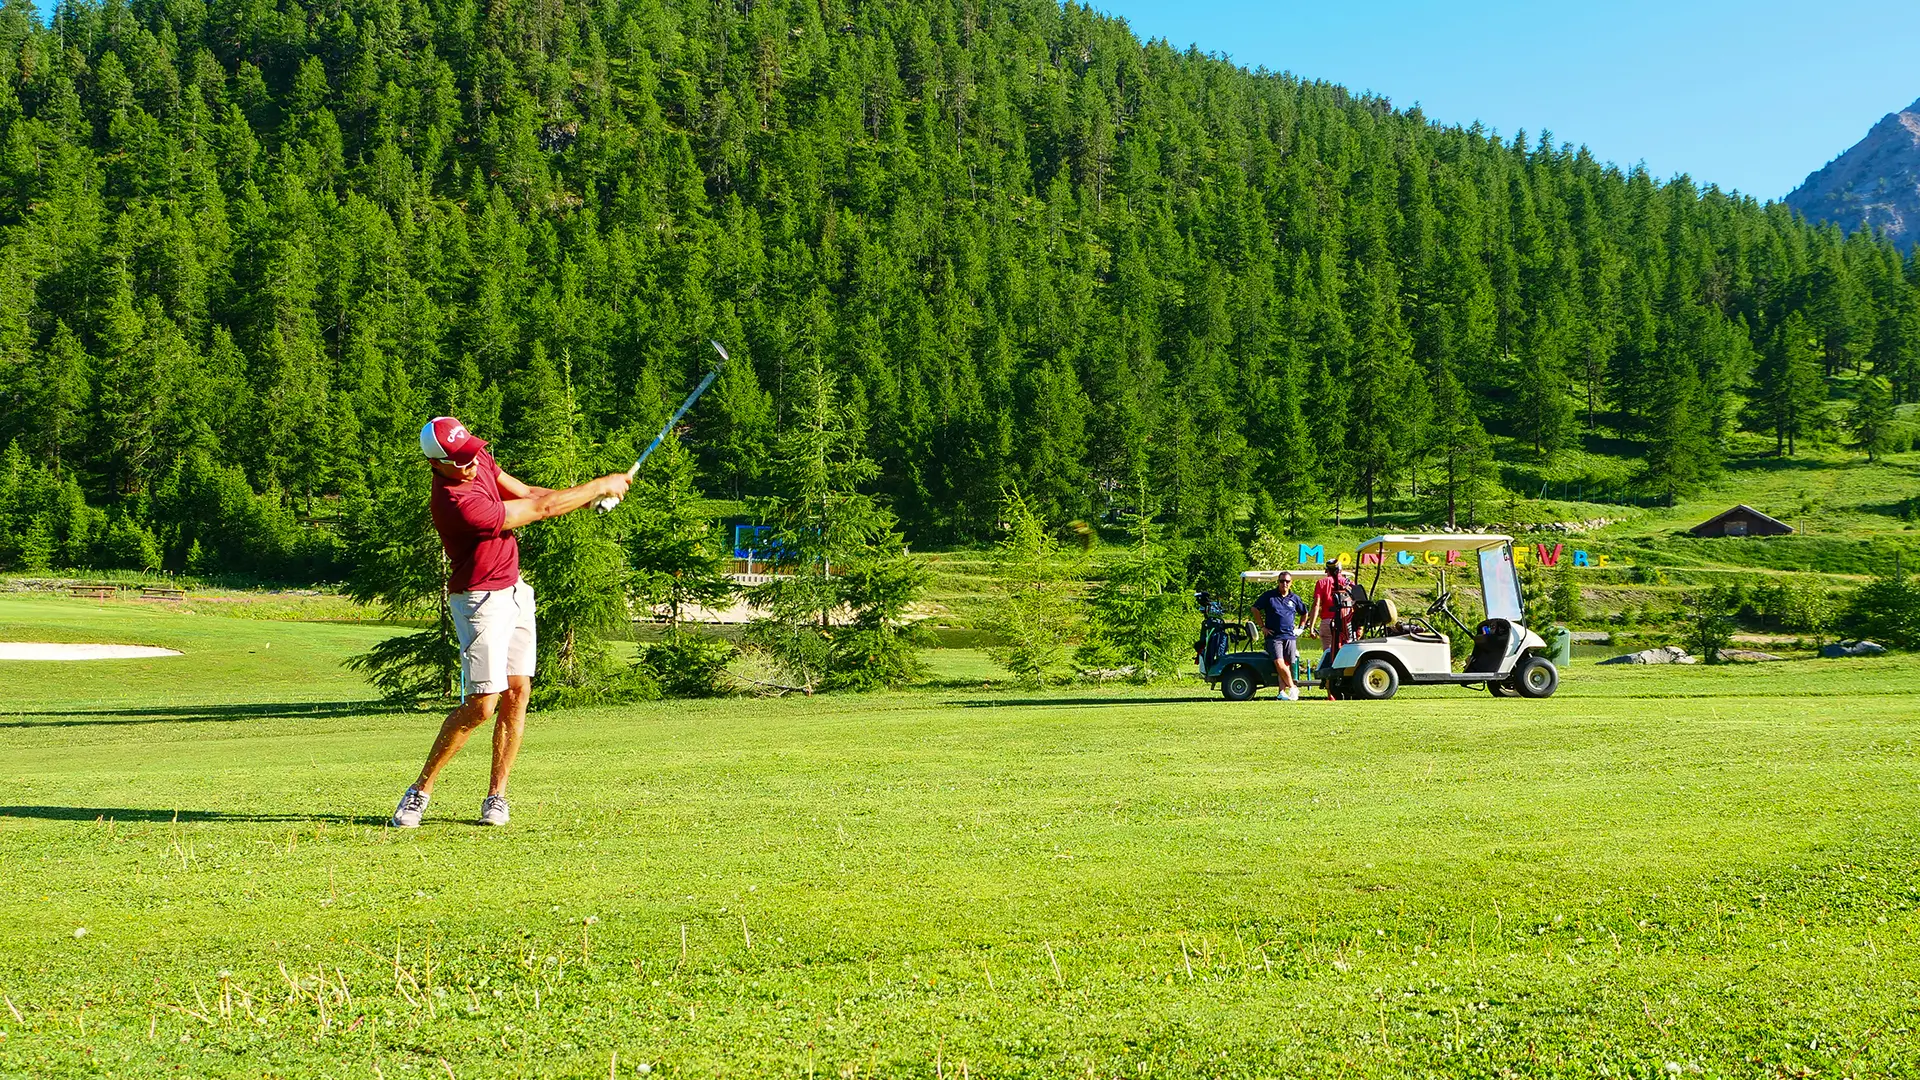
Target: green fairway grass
1658 872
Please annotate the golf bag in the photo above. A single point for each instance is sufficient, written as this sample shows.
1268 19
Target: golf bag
1491 641
1214 637
1350 609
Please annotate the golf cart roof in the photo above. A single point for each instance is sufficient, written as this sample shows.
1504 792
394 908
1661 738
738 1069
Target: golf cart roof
1393 542
1269 575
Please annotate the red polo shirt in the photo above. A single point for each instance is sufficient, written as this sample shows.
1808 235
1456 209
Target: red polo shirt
468 517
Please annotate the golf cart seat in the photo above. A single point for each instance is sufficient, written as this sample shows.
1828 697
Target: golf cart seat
1490 644
1385 612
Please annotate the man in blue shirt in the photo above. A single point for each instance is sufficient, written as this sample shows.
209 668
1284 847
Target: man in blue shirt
1280 612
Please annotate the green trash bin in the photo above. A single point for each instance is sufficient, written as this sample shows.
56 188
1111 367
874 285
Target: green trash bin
1560 646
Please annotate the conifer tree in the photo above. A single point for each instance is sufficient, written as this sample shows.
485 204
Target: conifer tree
1872 417
1034 610
837 616
1788 392
678 560
1135 618
399 566
573 562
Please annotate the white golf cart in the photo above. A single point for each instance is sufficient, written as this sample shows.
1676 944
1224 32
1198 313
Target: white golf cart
1390 652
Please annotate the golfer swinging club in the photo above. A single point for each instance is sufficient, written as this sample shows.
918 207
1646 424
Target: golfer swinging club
476 506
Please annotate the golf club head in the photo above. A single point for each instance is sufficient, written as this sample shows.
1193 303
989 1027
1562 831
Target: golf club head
721 349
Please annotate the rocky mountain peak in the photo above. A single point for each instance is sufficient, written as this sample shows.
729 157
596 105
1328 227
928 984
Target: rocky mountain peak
1876 183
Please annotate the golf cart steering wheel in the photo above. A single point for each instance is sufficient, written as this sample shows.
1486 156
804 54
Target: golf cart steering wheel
1442 603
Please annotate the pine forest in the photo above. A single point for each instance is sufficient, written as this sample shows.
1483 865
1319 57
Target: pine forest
250 247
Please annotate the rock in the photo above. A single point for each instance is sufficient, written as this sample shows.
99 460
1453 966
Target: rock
1748 656
1840 649
1670 654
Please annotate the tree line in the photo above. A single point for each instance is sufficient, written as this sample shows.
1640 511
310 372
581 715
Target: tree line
249 248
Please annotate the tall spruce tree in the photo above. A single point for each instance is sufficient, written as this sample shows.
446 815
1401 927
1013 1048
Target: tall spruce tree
573 562
1788 392
836 612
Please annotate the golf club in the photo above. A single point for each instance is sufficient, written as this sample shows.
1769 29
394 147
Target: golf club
608 503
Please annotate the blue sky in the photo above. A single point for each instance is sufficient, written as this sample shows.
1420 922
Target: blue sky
1751 96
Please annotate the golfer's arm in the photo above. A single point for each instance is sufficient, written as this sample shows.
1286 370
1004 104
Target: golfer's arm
518 489
551 504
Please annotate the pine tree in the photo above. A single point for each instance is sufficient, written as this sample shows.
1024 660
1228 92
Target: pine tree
399 565
1788 393
1460 449
1872 417
574 562
836 615
675 551
1135 618
1034 611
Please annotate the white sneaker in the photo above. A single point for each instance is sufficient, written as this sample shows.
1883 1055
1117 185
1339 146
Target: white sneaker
493 811
1293 694
412 805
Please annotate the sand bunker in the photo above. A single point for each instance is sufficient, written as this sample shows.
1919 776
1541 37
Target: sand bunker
44 650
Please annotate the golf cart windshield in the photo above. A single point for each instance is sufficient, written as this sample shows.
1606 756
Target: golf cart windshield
1499 583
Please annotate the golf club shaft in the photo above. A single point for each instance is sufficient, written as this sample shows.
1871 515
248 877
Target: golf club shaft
608 503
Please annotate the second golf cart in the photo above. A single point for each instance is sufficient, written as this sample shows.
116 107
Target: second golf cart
1390 652
1227 653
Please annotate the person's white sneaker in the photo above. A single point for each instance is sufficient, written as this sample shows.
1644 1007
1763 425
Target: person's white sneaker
493 811
412 805
1293 694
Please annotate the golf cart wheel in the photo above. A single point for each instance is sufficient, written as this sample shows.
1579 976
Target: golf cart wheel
1537 677
1238 683
1376 680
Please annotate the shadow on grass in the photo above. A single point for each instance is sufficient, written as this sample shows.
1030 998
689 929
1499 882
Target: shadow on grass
194 714
1076 702
121 813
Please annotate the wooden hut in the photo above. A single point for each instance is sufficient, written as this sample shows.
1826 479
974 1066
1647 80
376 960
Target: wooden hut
1742 520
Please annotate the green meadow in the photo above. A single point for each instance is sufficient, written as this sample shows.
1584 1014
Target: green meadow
1658 872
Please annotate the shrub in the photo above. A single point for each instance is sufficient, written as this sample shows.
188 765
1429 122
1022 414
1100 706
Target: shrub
1887 609
688 665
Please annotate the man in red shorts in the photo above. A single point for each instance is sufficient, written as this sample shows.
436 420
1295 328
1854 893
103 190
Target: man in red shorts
476 506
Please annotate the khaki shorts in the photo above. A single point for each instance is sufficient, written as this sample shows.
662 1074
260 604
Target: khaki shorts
495 628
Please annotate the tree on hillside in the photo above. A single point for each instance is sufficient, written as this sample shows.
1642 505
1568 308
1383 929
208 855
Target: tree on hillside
1462 453
1378 420
1872 417
1897 348
1788 393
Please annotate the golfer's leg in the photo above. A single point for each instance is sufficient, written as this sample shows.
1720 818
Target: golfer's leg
507 729
469 714
522 659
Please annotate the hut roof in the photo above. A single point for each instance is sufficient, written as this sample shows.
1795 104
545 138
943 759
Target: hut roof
1741 510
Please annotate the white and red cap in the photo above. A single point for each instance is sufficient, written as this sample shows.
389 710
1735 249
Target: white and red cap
446 439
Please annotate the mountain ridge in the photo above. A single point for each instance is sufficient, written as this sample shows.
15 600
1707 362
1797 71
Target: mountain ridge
1875 183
